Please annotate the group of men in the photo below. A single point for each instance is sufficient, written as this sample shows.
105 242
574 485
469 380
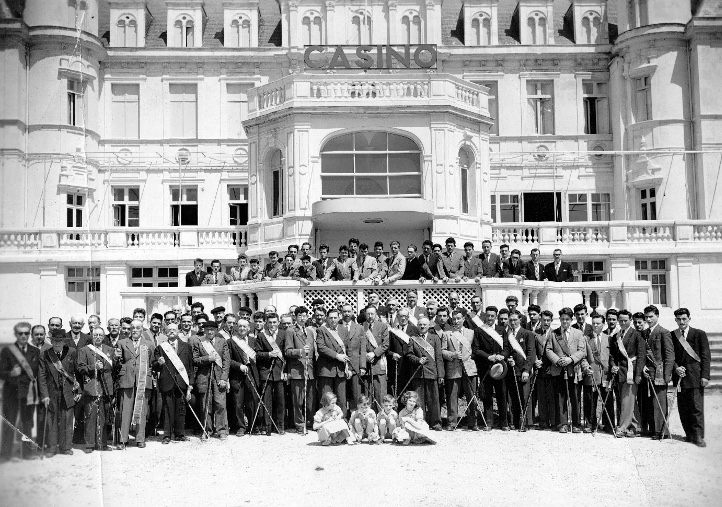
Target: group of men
250 372
355 262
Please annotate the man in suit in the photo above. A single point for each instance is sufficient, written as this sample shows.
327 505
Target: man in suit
381 260
580 315
195 278
300 351
451 259
413 264
59 391
521 360
534 323
96 363
19 363
154 332
596 375
477 310
135 382
427 365
377 344
272 371
489 348
489 260
332 359
544 385
173 359
216 276
322 263
415 310
354 339
513 267
367 267
692 371
212 362
565 350
470 263
75 338
432 268
398 367
558 271
343 268
534 270
659 364
512 304
460 370
243 375
626 359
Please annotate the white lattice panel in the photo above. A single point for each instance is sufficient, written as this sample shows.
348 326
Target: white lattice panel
386 293
441 295
329 297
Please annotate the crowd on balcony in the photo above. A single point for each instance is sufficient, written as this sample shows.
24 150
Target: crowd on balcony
355 263
394 372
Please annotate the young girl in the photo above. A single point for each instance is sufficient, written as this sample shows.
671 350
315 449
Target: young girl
412 427
387 418
329 422
363 422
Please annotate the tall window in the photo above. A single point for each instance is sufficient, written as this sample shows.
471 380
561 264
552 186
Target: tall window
184 32
361 24
74 210
127 32
184 205
154 277
76 103
537 28
312 29
240 33
412 29
126 206
238 204
276 207
540 106
466 162
591 24
481 30
493 87
237 109
505 208
370 163
637 13
183 110
643 98
601 207
654 271
596 108
648 201
125 110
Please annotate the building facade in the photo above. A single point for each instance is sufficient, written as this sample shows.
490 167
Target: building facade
138 135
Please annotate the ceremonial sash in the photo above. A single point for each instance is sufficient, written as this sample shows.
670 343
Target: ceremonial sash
438 330
686 346
413 319
630 361
140 388
336 337
224 334
177 363
208 346
372 340
243 345
460 344
492 333
424 345
477 321
58 366
32 396
400 335
100 353
516 346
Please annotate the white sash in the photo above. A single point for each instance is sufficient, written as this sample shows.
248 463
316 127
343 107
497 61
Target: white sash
630 360
336 337
493 334
208 346
177 363
413 319
224 334
400 334
516 346
372 340
476 320
686 346
424 345
245 347
100 353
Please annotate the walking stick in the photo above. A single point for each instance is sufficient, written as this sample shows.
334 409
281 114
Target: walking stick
604 408
209 395
175 381
666 423
478 388
45 432
407 383
518 395
262 394
23 436
528 399
611 421
670 406
569 401
305 392
261 404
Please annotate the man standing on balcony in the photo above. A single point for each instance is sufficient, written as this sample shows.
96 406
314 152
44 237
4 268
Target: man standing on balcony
489 260
452 260
273 267
195 278
240 273
381 260
216 277
288 268
534 270
353 247
322 263
366 266
343 267
558 271
398 264
306 250
513 267
471 264
432 268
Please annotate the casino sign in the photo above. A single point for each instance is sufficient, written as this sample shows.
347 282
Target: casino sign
409 56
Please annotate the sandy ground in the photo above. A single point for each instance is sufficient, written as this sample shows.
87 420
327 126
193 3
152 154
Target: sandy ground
537 468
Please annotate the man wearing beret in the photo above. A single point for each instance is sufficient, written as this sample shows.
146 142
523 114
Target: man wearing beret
218 313
213 361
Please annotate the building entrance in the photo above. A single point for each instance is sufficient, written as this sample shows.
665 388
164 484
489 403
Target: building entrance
542 207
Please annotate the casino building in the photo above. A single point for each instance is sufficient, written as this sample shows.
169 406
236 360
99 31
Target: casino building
140 134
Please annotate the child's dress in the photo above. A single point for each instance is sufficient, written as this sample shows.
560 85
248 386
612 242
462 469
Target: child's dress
365 419
413 428
335 430
391 419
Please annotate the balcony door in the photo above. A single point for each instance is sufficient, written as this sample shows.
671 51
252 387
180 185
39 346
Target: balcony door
542 207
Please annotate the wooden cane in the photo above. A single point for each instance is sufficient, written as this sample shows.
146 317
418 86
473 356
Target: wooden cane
262 404
569 401
518 394
407 383
45 432
528 399
666 423
175 381
262 394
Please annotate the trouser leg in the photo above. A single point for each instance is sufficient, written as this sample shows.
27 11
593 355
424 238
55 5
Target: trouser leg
379 390
355 391
26 425
574 393
433 409
79 428
560 387
65 428
660 410
451 388
470 385
11 409
629 398
297 395
512 385
220 415
40 418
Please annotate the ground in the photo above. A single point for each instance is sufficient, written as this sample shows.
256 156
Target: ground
538 468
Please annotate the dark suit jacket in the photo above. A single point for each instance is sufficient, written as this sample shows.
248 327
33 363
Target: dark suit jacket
263 355
355 342
328 348
470 323
297 361
527 340
130 363
489 265
195 281
238 358
168 371
52 384
203 363
660 353
483 346
396 345
565 272
413 269
84 340
587 331
433 368
434 268
17 387
380 330
635 346
509 271
529 273
695 371
98 382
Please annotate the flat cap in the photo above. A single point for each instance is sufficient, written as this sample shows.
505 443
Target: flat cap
218 309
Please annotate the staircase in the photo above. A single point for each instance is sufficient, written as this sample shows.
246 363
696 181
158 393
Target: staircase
715 347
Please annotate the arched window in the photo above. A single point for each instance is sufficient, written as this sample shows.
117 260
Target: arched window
127 31
312 29
361 26
183 29
241 33
275 171
370 164
537 27
591 22
481 30
466 171
411 25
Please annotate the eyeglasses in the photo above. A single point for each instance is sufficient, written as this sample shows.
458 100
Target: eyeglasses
23 333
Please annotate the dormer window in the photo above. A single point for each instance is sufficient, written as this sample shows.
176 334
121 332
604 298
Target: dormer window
312 29
537 28
591 28
481 29
184 32
411 24
361 28
240 32
127 32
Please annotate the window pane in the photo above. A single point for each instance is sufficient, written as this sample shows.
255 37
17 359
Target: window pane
162 272
191 194
370 141
370 163
147 272
337 185
173 272
189 214
371 186
404 163
69 218
174 194
136 272
79 200
119 194
577 212
401 143
133 216
234 193
404 185
134 194
337 163
340 143
78 218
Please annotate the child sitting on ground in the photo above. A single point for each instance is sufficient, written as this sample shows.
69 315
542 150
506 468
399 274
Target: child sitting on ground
412 426
363 422
329 423
387 418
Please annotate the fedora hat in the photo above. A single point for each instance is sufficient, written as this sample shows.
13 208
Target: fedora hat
498 370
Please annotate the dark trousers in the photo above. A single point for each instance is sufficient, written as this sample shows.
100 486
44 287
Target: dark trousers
79 428
375 392
354 391
428 391
336 385
213 402
60 425
40 418
174 413
690 402
517 404
592 397
242 404
20 414
546 400
298 402
95 410
491 388
650 411
453 387
398 375
275 400
155 409
563 386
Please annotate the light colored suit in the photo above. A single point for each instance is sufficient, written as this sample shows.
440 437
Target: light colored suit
576 346
368 268
397 266
453 342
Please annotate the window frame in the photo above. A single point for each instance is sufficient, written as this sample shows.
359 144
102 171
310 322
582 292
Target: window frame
597 101
648 203
601 205
237 204
180 98
154 280
75 210
116 100
642 98
87 279
182 201
493 87
124 206
539 126
497 206
647 270
76 102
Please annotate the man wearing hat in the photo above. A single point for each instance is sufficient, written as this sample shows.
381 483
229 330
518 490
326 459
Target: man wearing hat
427 365
213 362
19 364
491 350
59 391
218 313
245 313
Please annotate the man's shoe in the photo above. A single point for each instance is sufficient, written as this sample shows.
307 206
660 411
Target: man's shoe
505 428
576 429
240 433
630 434
166 440
486 428
666 436
587 430
700 443
268 433
563 429
141 445
657 436
31 457
223 436
67 452
436 427
121 446
474 428
281 431
49 454
523 430
107 448
182 438
88 450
